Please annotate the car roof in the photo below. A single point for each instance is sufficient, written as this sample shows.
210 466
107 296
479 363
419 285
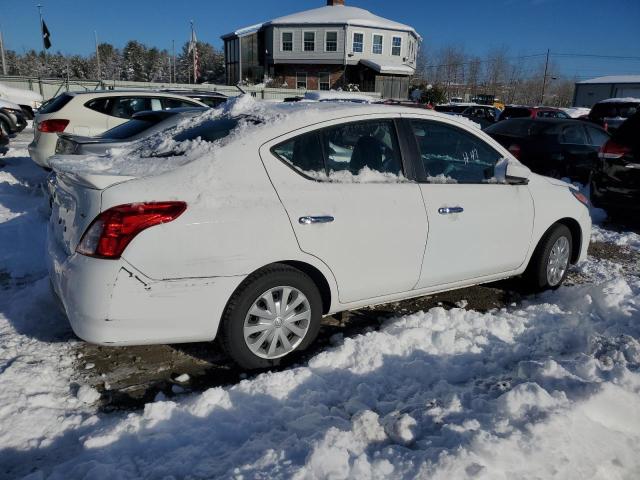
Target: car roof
119 92
162 114
202 93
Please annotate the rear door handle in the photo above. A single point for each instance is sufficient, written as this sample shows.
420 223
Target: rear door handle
320 219
450 210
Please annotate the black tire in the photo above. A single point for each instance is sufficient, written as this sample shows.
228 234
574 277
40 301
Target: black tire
5 127
536 274
232 323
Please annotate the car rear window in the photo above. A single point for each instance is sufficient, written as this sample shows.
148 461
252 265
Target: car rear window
515 112
128 129
55 104
613 110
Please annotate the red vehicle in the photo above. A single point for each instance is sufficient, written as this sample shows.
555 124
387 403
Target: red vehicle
520 111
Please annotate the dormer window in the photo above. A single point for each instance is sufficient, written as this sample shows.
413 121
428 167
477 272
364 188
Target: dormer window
377 44
287 41
309 41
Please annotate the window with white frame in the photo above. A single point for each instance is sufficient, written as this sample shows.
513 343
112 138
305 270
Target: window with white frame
396 46
287 41
377 44
331 42
301 80
324 81
358 42
309 41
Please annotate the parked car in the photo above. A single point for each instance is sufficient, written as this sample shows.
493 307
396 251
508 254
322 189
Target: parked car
92 113
484 115
553 147
12 119
521 111
211 99
457 107
611 113
28 100
4 143
255 241
615 184
140 126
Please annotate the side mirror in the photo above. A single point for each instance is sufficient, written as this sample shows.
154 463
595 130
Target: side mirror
512 172
517 173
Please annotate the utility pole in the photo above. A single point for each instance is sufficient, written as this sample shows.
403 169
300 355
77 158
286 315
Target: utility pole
95 32
544 79
4 62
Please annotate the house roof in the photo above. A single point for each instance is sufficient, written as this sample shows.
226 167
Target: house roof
614 79
331 15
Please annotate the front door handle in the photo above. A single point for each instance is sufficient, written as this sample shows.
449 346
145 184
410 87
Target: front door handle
450 210
310 219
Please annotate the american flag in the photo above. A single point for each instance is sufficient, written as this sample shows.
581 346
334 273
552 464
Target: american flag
193 49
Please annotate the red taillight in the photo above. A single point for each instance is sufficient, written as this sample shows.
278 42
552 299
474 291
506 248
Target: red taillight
52 126
112 230
580 197
612 150
514 150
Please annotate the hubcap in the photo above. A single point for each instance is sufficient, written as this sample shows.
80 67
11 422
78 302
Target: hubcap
558 261
277 322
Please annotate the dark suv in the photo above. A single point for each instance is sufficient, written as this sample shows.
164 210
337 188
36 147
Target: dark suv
520 111
615 182
611 113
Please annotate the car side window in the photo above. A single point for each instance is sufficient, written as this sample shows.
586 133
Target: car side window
338 153
359 146
126 107
598 137
304 154
168 103
452 155
101 105
573 135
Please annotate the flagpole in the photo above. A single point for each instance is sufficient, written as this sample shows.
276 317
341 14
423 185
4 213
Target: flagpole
195 45
173 49
44 48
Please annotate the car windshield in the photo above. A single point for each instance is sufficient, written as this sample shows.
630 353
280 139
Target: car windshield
128 129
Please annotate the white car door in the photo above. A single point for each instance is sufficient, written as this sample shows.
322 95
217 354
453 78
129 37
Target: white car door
351 206
477 227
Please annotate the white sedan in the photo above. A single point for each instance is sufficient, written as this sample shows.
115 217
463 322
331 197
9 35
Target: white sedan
296 211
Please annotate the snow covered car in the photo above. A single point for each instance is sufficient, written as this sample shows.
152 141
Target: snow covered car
91 113
27 100
252 222
140 126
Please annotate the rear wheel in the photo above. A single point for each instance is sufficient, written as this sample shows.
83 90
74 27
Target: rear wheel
550 262
4 126
274 313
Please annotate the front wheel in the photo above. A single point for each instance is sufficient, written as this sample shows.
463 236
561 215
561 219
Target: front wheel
274 313
550 262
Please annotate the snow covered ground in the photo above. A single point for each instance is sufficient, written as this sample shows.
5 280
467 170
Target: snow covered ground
545 388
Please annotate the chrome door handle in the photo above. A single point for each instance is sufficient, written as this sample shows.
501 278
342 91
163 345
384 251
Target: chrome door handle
321 219
449 210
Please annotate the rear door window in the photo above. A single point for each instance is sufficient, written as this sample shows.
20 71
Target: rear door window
340 152
515 112
168 103
452 155
573 135
102 105
126 107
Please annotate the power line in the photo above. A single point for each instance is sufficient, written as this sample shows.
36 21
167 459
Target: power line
592 55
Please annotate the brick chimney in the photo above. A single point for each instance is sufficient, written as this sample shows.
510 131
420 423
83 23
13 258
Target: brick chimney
333 3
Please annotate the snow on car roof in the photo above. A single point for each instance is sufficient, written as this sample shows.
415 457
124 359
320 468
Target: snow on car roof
336 95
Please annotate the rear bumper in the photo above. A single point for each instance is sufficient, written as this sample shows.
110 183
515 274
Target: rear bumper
109 302
43 147
615 201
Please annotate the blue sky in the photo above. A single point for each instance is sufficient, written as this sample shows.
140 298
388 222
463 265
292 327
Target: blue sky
597 27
